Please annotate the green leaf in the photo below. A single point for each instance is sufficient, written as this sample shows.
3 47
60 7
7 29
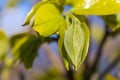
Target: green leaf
48 20
25 47
76 42
62 47
96 7
4 45
112 21
32 13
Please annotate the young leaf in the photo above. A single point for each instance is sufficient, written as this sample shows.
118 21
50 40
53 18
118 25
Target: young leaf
96 7
76 42
4 45
62 47
32 13
48 20
87 40
25 47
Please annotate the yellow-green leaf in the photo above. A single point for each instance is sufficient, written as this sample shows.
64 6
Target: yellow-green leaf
76 42
32 13
62 47
48 20
4 45
96 7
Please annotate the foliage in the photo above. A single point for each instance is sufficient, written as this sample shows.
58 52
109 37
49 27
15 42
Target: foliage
74 43
48 18
25 47
4 45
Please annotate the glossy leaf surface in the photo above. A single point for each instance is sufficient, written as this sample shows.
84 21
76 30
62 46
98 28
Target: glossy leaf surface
48 20
96 7
32 13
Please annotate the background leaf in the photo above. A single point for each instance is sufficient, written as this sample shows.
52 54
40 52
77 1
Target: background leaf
4 45
25 47
111 21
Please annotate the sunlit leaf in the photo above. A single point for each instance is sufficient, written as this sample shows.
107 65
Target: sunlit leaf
25 47
4 45
96 7
48 20
32 13
76 42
